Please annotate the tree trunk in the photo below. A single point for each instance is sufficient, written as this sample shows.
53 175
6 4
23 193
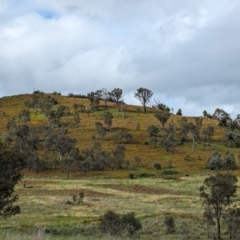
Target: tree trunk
193 143
218 229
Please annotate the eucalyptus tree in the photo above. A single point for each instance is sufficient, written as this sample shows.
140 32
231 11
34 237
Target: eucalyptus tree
119 156
24 116
152 131
101 131
193 130
162 117
47 106
144 96
116 95
216 194
12 162
161 106
105 96
183 129
58 141
95 158
107 118
207 134
94 99
222 117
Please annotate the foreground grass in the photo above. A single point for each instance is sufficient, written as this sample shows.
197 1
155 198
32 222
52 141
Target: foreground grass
43 207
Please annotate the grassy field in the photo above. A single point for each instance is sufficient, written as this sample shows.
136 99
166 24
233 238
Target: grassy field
43 206
152 194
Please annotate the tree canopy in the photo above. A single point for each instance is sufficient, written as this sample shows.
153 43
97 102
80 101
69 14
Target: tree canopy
143 95
216 195
11 162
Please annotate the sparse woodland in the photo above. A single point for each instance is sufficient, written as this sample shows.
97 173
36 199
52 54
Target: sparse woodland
141 158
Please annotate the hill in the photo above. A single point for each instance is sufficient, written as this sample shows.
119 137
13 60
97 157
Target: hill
130 119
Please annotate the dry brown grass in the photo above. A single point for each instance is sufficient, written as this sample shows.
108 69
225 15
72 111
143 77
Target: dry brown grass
148 154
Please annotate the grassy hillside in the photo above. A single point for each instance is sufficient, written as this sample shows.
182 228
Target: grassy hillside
126 120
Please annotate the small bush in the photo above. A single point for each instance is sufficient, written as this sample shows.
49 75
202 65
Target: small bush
114 224
130 224
157 166
138 127
111 223
131 176
137 160
169 224
215 162
146 175
122 137
170 172
228 162
57 93
76 199
146 143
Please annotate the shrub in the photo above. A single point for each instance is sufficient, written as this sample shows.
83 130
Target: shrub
131 175
76 199
146 143
145 175
57 93
228 162
179 112
157 166
138 127
130 224
169 224
137 160
114 224
122 137
111 223
214 162
170 172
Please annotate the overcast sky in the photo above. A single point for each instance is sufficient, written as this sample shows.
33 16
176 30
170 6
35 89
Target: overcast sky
187 52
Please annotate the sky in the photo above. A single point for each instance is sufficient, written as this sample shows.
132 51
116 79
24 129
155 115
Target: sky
186 52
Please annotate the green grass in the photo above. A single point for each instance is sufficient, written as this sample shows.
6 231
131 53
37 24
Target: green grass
43 205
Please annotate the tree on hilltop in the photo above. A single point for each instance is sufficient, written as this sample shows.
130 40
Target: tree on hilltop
143 95
116 95
222 117
94 98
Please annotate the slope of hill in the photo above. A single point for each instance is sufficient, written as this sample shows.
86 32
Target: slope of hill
183 159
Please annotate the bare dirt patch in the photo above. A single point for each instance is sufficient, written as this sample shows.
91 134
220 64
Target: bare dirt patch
138 189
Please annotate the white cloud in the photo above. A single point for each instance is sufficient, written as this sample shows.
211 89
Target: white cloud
186 52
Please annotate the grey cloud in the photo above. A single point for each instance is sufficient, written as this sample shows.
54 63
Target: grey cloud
186 52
